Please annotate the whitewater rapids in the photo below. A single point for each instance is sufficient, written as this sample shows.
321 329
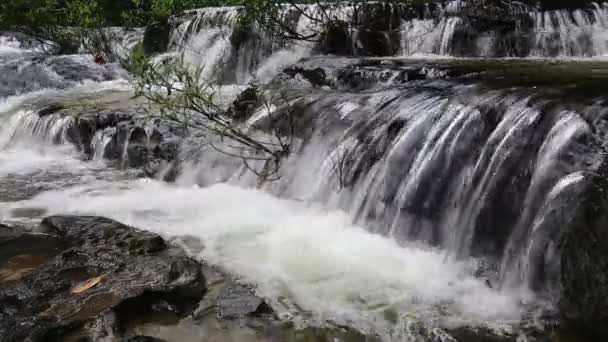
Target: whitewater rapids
315 258
310 262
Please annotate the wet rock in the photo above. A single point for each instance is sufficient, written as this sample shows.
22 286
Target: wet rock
29 42
87 124
466 334
324 334
584 264
102 267
144 339
242 33
245 103
317 77
336 39
50 109
103 328
136 139
370 73
378 26
22 250
239 301
81 68
156 38
7 233
513 34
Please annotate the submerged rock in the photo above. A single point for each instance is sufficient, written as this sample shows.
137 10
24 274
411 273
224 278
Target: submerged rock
238 301
103 268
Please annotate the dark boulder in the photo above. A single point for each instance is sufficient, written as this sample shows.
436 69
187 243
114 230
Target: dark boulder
102 268
156 37
547 5
50 109
317 77
144 339
336 39
584 263
239 301
245 103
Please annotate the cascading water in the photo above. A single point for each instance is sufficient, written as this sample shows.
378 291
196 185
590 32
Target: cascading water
573 34
100 142
208 38
475 177
424 196
564 33
214 39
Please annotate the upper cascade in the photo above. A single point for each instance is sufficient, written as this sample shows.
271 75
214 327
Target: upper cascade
234 52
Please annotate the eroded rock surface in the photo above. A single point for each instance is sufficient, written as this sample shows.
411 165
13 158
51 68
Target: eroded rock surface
102 268
135 140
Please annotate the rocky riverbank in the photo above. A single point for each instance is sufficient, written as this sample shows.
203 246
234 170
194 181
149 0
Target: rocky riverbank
85 278
92 275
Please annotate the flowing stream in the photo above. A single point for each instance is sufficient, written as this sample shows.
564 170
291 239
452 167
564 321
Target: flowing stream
443 216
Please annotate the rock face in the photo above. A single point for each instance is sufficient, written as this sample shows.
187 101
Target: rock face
156 38
378 29
246 103
135 140
336 40
316 77
238 301
103 272
584 264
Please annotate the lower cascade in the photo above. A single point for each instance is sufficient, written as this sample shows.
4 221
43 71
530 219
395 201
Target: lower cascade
427 194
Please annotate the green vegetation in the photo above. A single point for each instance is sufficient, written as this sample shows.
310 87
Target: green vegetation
37 14
180 94
68 22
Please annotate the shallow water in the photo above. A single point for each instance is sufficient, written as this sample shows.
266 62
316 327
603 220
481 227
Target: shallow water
326 268
308 259
310 262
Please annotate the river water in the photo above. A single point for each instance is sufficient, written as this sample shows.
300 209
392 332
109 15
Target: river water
348 257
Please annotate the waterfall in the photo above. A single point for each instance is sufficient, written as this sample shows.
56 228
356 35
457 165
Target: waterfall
100 142
27 126
124 159
230 52
579 33
123 40
556 33
214 39
476 172
424 36
425 190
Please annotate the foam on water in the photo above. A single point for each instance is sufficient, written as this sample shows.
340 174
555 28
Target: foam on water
315 258
31 144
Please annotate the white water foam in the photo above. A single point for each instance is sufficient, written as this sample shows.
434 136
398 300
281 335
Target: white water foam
30 144
314 257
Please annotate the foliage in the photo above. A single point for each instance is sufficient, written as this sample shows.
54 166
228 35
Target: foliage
143 12
181 95
49 18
